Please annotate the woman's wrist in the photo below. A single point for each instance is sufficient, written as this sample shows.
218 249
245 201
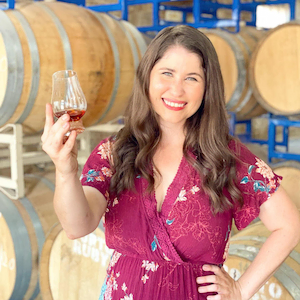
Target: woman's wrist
244 295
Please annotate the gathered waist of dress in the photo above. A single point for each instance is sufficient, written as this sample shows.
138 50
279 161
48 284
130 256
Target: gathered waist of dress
163 262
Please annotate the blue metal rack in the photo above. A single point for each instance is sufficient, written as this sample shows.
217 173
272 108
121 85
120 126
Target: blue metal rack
272 151
200 9
246 137
273 122
10 4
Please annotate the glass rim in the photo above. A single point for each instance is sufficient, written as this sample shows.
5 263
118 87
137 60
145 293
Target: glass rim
70 73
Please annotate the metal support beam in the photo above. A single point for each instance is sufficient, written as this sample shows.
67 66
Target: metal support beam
13 187
273 152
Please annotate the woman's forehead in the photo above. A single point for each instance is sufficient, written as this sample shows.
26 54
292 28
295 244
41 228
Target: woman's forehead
179 55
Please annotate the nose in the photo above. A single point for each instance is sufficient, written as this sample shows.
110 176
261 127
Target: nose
177 88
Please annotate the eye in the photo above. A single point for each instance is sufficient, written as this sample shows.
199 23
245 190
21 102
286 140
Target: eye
191 79
167 73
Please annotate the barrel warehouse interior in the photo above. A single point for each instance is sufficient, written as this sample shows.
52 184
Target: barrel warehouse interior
258 46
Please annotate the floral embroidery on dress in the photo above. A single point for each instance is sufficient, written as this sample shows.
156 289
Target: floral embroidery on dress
114 259
264 170
181 196
166 257
111 284
104 150
112 204
106 171
169 222
154 244
149 266
126 297
116 201
106 195
93 175
195 189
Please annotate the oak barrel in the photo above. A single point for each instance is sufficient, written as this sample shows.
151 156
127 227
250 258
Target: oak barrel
23 226
73 269
38 39
290 171
234 51
274 70
244 246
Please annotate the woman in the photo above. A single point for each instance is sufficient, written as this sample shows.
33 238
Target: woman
170 183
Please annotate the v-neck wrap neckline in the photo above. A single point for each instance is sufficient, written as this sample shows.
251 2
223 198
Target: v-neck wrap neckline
157 219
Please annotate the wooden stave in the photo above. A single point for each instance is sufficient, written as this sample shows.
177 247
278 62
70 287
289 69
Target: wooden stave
254 236
122 83
290 185
251 72
241 100
48 291
28 220
92 116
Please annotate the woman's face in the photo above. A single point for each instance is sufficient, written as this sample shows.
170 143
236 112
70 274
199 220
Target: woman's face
177 84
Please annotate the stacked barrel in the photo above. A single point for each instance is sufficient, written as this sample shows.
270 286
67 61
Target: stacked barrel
260 69
37 260
42 38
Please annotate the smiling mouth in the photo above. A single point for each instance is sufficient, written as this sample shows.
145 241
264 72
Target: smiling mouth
174 104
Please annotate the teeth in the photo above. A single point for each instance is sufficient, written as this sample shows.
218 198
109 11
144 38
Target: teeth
173 104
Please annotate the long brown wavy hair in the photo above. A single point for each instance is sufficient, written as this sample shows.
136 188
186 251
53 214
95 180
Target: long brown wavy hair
207 131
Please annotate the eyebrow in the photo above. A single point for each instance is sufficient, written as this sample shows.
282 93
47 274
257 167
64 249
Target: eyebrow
168 69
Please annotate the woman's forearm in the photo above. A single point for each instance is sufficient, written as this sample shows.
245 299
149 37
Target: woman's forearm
273 252
71 205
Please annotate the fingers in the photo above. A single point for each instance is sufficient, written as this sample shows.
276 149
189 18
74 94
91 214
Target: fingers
220 282
209 288
59 129
212 268
69 144
49 121
207 279
215 281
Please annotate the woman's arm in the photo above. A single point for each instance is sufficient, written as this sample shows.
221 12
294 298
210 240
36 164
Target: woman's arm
78 209
282 218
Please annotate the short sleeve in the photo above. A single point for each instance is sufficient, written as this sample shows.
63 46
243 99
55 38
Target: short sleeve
97 169
256 181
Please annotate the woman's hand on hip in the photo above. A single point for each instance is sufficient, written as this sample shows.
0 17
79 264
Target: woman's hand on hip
62 152
221 283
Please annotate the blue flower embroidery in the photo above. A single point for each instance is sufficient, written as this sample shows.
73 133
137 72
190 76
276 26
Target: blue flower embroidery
258 185
154 244
91 174
169 222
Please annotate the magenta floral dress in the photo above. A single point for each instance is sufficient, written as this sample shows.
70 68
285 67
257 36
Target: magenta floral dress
158 255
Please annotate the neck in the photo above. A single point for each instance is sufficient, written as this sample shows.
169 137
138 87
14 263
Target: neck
172 136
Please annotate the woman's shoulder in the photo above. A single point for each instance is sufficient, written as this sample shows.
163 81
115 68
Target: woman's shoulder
249 164
104 148
241 152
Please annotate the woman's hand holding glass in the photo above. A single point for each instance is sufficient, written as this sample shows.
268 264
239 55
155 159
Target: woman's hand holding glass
62 151
68 106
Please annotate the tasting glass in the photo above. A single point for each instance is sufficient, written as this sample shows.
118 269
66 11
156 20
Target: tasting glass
68 98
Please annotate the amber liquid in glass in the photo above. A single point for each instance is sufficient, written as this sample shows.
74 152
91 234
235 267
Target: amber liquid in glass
75 114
